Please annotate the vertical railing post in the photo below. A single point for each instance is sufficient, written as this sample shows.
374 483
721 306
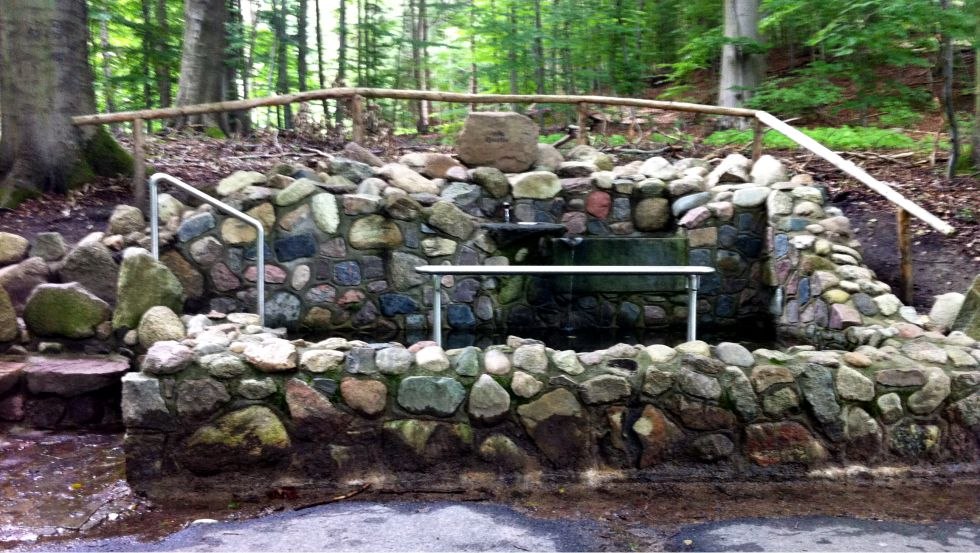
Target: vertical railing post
693 283
139 164
583 123
757 135
357 115
905 254
437 308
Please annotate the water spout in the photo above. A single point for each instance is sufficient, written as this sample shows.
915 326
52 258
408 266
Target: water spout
571 241
506 212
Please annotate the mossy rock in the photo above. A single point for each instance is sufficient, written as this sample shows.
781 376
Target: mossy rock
144 283
104 157
67 310
242 439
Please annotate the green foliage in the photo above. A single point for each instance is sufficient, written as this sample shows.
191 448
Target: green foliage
801 95
214 132
836 138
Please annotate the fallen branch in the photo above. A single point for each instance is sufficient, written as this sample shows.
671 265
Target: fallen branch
333 499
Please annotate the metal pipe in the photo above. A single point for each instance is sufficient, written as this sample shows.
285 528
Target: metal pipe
692 306
260 230
437 308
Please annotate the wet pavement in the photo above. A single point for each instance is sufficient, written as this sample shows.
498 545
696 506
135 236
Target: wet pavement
65 492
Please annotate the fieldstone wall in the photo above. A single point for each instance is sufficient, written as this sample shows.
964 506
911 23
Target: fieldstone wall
344 239
234 399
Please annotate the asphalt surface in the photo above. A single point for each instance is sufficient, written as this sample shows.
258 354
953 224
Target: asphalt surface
449 526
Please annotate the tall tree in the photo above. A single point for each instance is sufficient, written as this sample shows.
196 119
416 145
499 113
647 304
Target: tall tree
161 48
341 77
282 59
302 48
202 71
45 79
741 64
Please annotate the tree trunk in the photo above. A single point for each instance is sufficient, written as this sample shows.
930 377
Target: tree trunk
202 72
321 78
947 70
341 79
45 79
236 68
538 49
426 72
741 69
160 66
282 59
110 98
302 49
146 47
976 96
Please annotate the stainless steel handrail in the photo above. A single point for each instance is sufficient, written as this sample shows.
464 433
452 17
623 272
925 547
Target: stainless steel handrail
259 240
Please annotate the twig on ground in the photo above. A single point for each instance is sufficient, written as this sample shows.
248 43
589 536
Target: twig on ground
333 499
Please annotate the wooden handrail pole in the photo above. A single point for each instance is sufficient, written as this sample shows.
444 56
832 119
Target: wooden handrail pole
905 254
583 123
757 134
357 115
139 164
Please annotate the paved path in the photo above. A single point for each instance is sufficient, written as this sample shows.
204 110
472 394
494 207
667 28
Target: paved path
447 526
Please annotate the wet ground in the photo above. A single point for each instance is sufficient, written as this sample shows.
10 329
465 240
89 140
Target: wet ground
64 491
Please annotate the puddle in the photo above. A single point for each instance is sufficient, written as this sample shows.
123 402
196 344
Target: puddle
57 483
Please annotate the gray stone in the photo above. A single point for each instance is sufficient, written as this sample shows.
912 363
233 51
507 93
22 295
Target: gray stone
402 177
126 219
731 353
658 168
200 397
92 266
890 407
166 357
932 394
430 395
559 427
450 219
968 320
143 407
740 394
531 357
605 388
49 246
751 197
768 170
686 203
697 384
238 181
255 389
361 360
651 214
817 384
926 352
296 191
326 213
493 180
374 232
567 362
467 361
271 355
854 386
394 360
69 377
549 158
525 385
712 447
779 403
432 358
489 401
504 140
733 169
223 365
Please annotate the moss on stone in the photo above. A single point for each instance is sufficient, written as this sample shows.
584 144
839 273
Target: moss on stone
104 156
214 132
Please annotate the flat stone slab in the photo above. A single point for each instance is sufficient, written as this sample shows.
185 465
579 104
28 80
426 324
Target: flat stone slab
67 376
10 373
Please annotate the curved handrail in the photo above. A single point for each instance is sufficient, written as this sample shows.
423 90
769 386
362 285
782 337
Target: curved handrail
259 240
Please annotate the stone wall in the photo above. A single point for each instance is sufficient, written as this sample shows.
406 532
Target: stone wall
343 241
232 399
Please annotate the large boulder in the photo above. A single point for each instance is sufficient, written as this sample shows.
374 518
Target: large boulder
505 140
67 310
247 438
144 283
13 248
92 266
968 320
126 219
20 280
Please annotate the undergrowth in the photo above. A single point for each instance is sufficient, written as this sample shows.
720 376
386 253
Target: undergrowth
835 138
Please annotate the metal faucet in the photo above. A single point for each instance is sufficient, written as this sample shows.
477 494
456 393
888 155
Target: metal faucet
506 212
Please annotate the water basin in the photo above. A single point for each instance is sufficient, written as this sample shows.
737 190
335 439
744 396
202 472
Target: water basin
508 233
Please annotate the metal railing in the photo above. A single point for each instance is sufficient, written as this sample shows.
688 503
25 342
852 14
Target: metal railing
259 240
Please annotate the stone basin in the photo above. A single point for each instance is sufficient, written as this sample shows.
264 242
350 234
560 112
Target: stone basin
508 233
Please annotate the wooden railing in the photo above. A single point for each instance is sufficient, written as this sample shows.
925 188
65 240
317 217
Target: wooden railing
356 97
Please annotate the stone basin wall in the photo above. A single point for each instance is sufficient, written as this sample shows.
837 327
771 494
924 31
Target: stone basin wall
232 399
343 241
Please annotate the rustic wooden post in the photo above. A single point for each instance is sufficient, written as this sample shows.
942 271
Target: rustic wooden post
357 115
139 165
583 123
905 254
757 135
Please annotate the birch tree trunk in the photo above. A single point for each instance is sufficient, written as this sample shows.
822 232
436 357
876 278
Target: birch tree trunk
741 69
45 79
202 74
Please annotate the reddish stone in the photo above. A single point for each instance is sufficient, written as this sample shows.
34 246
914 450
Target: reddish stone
417 346
574 222
773 443
9 375
843 316
367 397
314 417
224 280
273 274
694 217
657 435
350 297
908 331
702 416
71 377
598 204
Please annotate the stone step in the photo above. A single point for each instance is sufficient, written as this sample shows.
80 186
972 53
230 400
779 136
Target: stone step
71 376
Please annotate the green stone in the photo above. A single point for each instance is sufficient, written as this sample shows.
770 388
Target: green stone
968 320
295 192
67 310
374 231
144 283
326 214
